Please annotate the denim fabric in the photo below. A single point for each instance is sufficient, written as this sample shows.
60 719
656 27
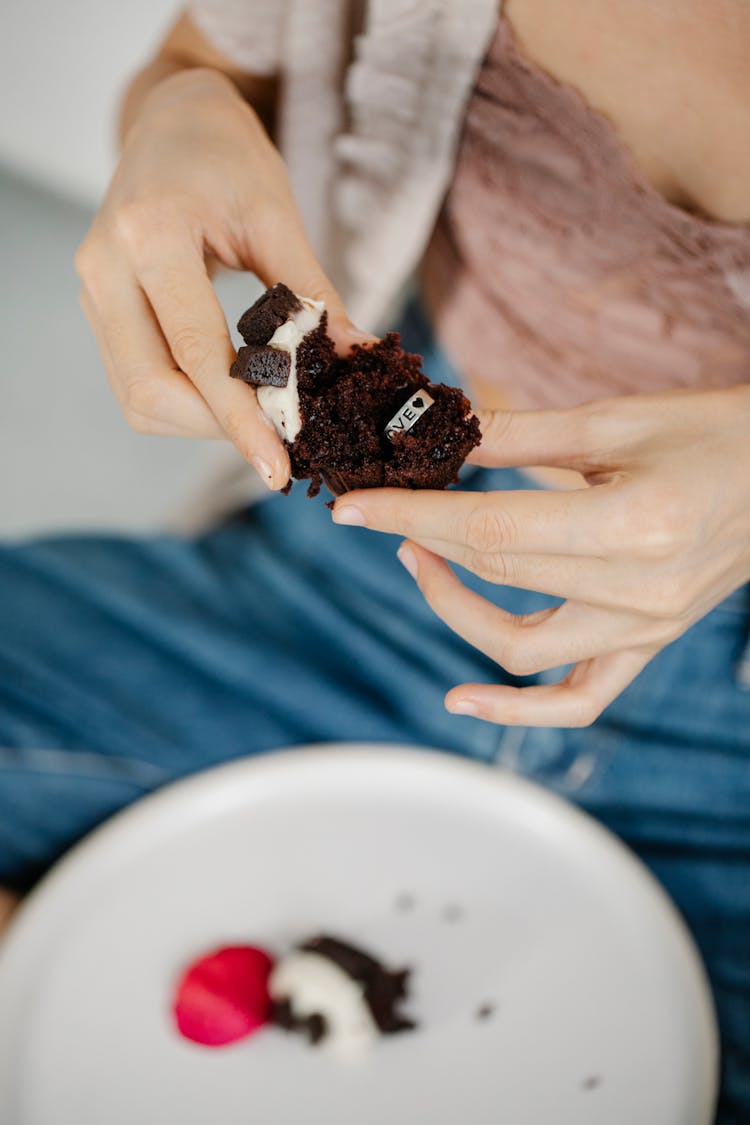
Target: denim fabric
125 663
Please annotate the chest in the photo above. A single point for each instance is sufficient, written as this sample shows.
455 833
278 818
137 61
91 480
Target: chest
673 76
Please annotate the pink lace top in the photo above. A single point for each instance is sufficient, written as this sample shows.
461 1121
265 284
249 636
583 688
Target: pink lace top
558 273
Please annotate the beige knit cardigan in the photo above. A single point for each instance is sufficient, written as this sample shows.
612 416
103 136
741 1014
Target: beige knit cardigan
372 99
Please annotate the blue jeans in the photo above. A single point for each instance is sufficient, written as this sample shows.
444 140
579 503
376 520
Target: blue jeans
126 663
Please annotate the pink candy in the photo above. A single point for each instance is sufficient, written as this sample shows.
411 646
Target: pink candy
223 996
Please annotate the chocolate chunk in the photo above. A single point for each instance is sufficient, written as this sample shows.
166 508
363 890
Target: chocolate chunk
262 366
258 324
317 1028
282 1015
381 988
314 1025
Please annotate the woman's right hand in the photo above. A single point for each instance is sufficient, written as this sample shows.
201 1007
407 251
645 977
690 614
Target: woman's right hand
198 178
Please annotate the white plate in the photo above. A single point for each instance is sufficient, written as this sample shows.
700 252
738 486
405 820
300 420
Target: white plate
602 1014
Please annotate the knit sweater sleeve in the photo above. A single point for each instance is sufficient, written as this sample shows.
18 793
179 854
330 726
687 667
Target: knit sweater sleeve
248 32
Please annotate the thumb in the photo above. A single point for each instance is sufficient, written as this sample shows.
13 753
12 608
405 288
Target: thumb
525 438
283 253
344 333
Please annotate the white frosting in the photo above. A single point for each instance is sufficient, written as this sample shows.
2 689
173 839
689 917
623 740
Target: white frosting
281 404
315 984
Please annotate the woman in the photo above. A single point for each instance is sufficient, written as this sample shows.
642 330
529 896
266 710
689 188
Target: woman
572 185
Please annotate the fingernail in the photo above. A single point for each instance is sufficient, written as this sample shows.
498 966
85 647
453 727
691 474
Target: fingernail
408 559
263 469
349 515
463 707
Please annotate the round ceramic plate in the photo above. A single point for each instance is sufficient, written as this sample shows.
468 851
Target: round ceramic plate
553 981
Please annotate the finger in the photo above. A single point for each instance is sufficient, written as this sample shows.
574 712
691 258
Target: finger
522 645
172 273
281 252
561 438
530 522
154 395
577 701
560 576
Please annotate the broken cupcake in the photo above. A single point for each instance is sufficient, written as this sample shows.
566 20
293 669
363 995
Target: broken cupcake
367 420
337 995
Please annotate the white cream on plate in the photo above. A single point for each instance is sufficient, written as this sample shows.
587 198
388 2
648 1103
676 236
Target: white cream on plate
315 985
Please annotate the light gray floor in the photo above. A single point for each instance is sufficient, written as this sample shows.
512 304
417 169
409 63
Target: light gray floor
67 459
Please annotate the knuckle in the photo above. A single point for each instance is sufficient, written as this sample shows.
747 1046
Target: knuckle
191 349
131 224
661 529
142 226
669 598
489 529
140 399
86 259
657 540
492 568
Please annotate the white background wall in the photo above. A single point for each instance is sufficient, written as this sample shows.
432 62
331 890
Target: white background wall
63 64
67 459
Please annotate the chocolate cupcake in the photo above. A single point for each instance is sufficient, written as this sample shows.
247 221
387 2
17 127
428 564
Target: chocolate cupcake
367 420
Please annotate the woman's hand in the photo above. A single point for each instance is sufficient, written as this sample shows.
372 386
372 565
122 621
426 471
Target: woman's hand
198 178
658 535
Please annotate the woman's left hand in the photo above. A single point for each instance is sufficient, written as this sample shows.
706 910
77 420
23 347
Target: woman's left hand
657 535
